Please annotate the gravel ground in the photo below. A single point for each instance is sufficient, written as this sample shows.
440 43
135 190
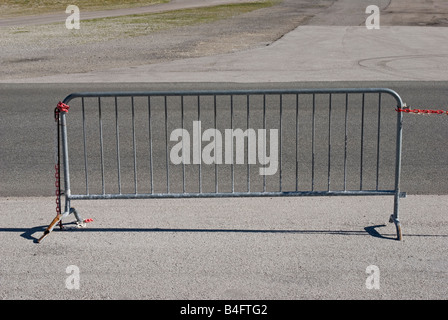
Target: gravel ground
52 49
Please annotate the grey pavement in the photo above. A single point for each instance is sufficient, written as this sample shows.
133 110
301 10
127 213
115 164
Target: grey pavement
308 53
279 248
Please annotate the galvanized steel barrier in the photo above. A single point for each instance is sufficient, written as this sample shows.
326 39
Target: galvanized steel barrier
321 142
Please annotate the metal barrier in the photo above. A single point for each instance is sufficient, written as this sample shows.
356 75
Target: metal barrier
195 144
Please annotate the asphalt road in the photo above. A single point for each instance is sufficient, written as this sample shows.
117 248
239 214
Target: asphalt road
27 131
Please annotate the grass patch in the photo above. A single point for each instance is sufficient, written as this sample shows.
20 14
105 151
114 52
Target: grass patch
34 7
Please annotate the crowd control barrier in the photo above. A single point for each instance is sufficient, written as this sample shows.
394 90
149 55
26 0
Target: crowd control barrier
232 143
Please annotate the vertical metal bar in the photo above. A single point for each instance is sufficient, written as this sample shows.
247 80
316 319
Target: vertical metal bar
231 145
183 150
280 149
150 145
297 141
362 144
67 191
264 128
85 146
329 142
200 146
166 148
398 172
216 159
134 146
117 134
345 142
312 141
378 143
248 142
101 145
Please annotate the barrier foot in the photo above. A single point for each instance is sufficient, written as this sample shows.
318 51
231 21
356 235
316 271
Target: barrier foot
50 227
79 222
397 226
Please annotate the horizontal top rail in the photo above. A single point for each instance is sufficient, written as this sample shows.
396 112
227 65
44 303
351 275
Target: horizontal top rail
233 92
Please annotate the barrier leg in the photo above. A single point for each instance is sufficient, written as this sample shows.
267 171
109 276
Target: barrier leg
399 233
394 217
79 222
50 227
397 226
